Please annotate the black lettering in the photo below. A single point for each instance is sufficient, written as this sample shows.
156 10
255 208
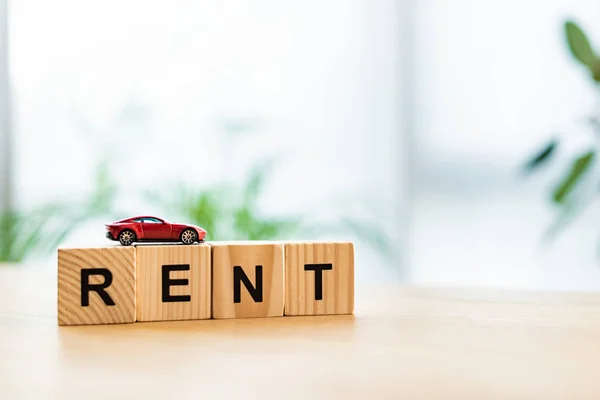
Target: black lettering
167 282
87 287
240 276
318 268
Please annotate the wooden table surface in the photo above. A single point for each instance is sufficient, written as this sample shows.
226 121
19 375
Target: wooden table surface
402 342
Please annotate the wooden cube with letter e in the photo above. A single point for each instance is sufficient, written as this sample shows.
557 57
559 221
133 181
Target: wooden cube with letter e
319 278
173 282
96 286
248 279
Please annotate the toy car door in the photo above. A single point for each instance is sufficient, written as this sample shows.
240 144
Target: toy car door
155 229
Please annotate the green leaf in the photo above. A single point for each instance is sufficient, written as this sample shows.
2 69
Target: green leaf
579 44
105 191
578 169
596 71
8 220
254 185
206 209
37 231
541 157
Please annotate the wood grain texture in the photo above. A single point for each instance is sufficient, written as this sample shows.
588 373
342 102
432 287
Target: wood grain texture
150 261
120 262
337 294
227 256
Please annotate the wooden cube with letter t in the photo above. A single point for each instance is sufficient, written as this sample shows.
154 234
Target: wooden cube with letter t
248 280
319 278
96 286
173 282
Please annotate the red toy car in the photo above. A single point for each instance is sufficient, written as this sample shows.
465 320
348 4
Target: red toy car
152 229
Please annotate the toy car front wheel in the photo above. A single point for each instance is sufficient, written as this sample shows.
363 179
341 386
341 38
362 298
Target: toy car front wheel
189 236
127 237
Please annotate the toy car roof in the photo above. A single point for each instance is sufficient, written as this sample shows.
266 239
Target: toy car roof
140 216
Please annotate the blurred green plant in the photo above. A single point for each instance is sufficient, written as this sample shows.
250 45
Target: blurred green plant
228 212
576 188
34 232
225 211
38 232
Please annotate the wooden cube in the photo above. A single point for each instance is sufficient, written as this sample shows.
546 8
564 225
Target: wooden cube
96 286
248 279
319 278
173 282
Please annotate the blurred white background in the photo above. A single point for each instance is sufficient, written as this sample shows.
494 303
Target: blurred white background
494 80
162 87
417 112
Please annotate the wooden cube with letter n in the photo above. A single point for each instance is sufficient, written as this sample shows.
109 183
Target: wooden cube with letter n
173 282
96 286
248 279
319 278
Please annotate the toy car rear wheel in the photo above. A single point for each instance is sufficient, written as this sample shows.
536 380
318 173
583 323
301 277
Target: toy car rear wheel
127 237
189 236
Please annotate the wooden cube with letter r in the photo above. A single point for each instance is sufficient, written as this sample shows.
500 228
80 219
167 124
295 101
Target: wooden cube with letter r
173 282
96 286
248 279
319 278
